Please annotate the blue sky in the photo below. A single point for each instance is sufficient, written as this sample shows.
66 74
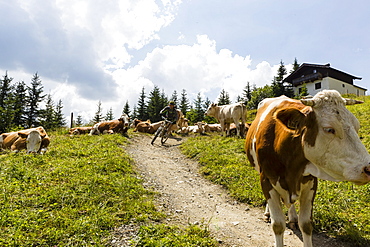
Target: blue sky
86 51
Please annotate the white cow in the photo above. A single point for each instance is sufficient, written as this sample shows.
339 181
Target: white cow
227 114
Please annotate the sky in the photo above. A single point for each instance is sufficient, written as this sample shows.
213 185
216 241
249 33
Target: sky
88 51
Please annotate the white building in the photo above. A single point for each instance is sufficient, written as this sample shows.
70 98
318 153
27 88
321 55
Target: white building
319 77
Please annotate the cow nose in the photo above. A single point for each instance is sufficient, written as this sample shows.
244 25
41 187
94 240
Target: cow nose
367 170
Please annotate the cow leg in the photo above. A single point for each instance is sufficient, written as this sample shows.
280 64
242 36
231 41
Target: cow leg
267 213
237 129
224 131
227 129
305 211
277 217
293 217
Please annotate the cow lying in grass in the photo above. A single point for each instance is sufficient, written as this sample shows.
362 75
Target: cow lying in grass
34 140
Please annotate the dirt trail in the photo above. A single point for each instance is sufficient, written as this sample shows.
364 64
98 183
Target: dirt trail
187 197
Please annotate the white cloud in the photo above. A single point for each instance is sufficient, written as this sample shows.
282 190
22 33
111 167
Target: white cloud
196 68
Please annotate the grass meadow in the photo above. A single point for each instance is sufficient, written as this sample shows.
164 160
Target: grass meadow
340 209
77 193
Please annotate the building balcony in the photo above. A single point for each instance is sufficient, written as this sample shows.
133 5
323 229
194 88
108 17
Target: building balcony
307 78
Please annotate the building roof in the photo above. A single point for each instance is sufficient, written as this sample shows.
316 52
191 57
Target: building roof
311 72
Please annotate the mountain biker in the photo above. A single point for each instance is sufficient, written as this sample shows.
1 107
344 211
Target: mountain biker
170 112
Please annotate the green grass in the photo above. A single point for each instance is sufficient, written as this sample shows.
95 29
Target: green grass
74 195
340 209
224 162
167 236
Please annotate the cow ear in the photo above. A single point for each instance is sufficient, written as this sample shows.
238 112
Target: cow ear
292 118
22 135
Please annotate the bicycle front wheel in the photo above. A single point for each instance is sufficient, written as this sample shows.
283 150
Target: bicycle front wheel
165 136
159 130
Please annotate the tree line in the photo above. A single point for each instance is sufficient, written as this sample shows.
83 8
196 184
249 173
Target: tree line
149 105
20 106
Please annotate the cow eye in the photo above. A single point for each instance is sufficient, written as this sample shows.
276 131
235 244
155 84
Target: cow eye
329 130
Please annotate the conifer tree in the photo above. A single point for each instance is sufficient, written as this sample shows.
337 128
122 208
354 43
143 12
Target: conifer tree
109 116
6 103
20 97
79 121
141 112
34 97
59 117
295 65
47 115
196 114
247 93
278 87
98 114
126 109
134 113
174 98
155 104
224 98
184 102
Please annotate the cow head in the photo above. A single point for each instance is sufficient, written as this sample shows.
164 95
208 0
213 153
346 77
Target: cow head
124 119
211 110
33 140
330 139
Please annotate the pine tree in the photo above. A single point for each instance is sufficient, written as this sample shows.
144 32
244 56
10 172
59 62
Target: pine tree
6 103
134 113
47 115
174 97
155 104
20 96
184 102
126 109
79 121
33 99
60 121
224 98
247 93
98 114
295 65
141 106
164 100
196 114
278 87
109 116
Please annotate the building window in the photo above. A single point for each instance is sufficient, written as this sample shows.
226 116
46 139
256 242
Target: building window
317 85
343 85
314 71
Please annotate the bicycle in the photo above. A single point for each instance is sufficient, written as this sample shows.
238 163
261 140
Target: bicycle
163 131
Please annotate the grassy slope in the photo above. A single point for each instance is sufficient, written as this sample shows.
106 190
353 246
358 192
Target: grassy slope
341 209
75 194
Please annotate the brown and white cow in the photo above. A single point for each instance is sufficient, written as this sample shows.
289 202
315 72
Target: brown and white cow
292 143
34 140
114 126
142 126
227 114
80 130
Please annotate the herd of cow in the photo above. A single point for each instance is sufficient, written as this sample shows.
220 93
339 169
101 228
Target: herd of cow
290 143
